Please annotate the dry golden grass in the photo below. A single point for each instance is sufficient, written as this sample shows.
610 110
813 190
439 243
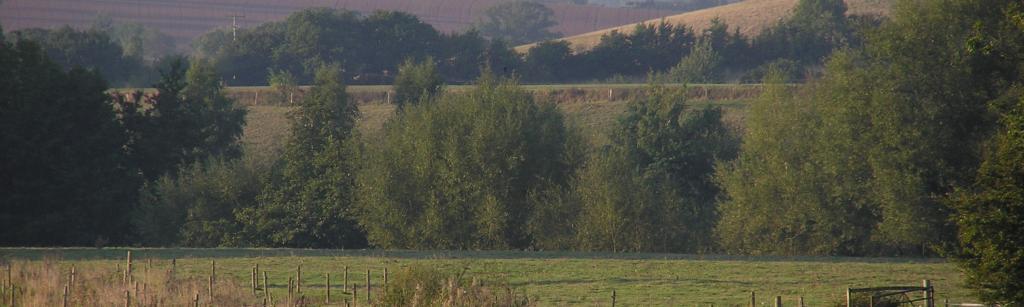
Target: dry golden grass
750 17
85 283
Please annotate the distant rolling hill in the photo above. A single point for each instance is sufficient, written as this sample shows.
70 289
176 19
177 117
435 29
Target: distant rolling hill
750 16
186 19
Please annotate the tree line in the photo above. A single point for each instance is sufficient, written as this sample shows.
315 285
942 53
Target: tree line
371 47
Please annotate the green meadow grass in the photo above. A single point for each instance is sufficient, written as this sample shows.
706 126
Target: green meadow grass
552 278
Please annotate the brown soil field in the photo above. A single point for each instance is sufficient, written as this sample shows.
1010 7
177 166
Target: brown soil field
750 17
186 19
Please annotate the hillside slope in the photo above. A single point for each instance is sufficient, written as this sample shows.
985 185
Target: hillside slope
750 16
186 19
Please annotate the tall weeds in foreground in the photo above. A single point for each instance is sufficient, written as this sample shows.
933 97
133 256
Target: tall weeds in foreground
423 286
50 282
44 283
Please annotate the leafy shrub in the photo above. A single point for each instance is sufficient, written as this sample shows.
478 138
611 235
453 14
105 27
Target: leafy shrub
417 82
197 205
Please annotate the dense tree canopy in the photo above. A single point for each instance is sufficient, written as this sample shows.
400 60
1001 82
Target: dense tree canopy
457 173
65 178
518 22
652 188
370 48
186 120
88 49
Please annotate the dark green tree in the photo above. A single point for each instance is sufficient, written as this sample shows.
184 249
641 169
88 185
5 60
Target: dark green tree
548 61
990 215
65 178
188 119
309 202
652 189
518 22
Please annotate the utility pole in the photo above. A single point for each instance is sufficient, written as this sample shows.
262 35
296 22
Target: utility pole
234 26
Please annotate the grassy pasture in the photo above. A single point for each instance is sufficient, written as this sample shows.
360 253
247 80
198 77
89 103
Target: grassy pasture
553 278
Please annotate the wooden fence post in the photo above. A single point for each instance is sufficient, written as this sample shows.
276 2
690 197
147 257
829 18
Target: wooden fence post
252 280
800 301
328 288
127 298
613 298
753 299
848 297
266 288
346 277
298 279
355 295
71 280
929 298
778 301
367 286
127 270
65 298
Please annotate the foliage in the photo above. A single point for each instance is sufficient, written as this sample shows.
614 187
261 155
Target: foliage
650 47
990 215
136 40
308 202
417 82
196 206
543 60
780 198
188 119
652 190
697 67
369 47
858 164
90 49
518 22
283 83
64 176
815 29
457 173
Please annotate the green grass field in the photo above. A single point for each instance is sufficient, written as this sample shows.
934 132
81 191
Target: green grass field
553 278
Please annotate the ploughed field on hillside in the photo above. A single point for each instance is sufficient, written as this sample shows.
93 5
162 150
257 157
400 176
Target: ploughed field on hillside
548 278
187 19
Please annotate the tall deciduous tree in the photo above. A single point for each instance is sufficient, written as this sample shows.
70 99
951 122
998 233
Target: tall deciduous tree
309 202
458 173
652 189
